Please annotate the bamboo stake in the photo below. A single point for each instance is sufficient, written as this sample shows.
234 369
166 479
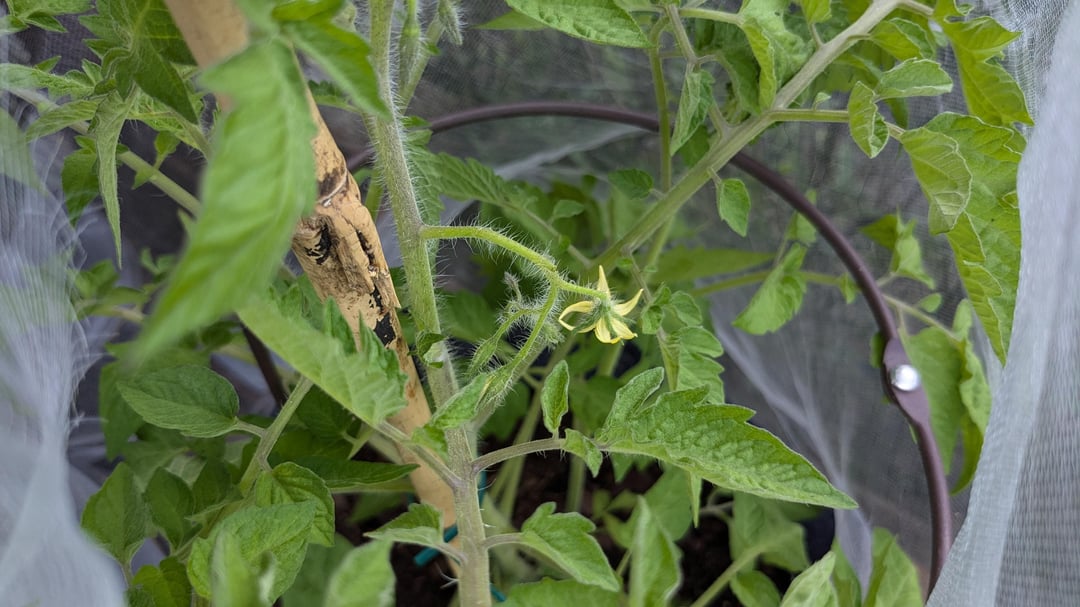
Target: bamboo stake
338 245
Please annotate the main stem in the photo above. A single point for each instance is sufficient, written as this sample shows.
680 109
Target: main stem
474 583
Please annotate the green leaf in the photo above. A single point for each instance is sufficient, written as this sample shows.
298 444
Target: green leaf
816 11
79 180
512 20
683 264
171 502
865 121
166 585
693 351
548 592
364 579
630 398
564 538
59 117
462 406
234 580
812 588
105 131
583 447
986 237
635 183
421 525
914 78
845 580
733 204
654 565
939 361
260 179
281 529
289 483
599 21
942 172
16 161
894 234
765 54
139 43
694 102
116 516
894 581
554 397
755 589
990 91
759 526
344 476
304 10
715 443
904 39
779 297
370 384
309 589
566 208
344 57
193 400
323 415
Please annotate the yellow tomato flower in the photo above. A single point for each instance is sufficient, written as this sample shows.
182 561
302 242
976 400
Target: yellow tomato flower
605 316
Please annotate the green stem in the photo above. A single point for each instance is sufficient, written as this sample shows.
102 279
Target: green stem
756 277
500 455
251 429
502 539
725 578
390 155
272 434
811 115
904 307
739 137
475 581
711 15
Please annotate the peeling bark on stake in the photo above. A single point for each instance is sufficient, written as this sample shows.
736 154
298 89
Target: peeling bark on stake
338 245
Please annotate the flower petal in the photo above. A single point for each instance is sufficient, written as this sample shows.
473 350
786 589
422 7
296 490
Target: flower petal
621 330
601 284
626 307
603 334
584 307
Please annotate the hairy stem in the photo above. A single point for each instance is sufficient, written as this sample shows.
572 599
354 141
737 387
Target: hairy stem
270 436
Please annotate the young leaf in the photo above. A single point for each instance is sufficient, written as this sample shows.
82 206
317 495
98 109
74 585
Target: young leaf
260 178
116 516
370 384
364 579
694 102
166 585
715 443
289 483
904 39
635 183
554 398
105 131
281 529
629 398
599 21
654 566
733 204
171 502
759 526
943 174
865 121
914 78
346 476
548 592
462 406
139 43
812 588
583 447
755 589
421 525
681 264
234 580
193 400
779 297
344 56
894 581
894 234
564 538
990 91
845 580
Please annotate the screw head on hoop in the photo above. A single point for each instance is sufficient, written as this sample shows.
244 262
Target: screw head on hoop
904 378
